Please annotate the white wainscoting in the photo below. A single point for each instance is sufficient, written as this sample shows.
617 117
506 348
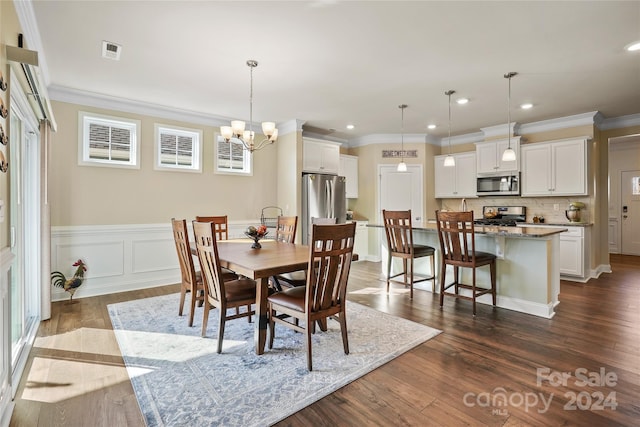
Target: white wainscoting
120 258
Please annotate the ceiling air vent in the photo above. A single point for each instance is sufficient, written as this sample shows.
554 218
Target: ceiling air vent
111 50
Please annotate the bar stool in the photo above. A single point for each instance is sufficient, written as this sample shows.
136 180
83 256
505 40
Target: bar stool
456 232
399 232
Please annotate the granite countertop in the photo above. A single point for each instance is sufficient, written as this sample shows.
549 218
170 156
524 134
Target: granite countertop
492 230
558 224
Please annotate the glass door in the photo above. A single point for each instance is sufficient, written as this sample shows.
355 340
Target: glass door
24 208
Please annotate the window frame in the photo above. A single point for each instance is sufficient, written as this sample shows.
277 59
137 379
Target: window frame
247 169
196 156
85 119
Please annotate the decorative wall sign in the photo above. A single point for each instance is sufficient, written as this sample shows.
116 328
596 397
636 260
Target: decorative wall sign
399 153
4 139
3 83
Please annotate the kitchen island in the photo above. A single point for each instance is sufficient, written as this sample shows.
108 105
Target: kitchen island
528 273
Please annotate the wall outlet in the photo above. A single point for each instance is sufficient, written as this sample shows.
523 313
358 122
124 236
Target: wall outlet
556 207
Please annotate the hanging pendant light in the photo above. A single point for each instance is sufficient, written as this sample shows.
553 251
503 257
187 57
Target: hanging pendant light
449 160
236 130
402 166
509 155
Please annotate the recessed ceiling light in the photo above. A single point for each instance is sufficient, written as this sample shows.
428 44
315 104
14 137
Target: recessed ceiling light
431 126
526 106
462 101
635 46
350 127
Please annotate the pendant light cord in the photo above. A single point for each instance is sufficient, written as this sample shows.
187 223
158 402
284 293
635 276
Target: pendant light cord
402 107
508 76
449 93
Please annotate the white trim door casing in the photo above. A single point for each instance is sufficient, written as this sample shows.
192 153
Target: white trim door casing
630 212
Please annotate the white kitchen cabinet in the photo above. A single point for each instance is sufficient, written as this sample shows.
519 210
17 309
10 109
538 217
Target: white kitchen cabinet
556 168
320 156
574 252
455 181
489 156
361 240
349 169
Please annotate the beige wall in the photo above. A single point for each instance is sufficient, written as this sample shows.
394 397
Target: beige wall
9 30
370 156
289 165
86 195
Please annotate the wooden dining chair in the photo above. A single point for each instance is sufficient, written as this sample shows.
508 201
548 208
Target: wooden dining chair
330 255
286 233
286 227
299 278
456 233
399 233
221 225
191 281
220 294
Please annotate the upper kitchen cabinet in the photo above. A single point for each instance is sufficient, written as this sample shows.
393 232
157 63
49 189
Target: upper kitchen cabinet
557 168
349 169
455 181
320 156
489 156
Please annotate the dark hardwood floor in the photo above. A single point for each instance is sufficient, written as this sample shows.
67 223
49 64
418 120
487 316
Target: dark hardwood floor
75 374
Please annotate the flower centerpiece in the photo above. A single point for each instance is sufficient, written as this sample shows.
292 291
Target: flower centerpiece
256 233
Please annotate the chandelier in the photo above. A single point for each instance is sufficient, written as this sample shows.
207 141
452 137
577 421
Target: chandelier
509 155
247 137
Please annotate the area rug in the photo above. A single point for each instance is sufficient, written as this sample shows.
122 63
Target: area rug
180 380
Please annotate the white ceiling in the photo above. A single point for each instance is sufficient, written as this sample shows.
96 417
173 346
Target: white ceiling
330 63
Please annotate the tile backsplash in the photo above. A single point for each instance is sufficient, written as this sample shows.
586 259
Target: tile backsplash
544 206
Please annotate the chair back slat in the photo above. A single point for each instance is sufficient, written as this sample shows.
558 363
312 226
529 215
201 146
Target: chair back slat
183 248
331 253
207 249
286 228
220 223
398 230
457 237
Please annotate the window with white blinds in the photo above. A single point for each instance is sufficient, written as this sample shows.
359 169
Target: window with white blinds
108 141
231 157
178 149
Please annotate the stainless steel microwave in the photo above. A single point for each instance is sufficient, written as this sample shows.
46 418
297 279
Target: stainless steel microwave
499 185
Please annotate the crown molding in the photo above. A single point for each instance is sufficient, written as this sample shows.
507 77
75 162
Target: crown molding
391 138
561 123
75 96
469 138
620 122
290 126
97 100
498 130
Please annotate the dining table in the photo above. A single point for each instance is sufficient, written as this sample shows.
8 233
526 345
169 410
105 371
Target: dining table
273 258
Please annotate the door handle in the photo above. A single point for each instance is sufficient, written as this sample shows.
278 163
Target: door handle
624 216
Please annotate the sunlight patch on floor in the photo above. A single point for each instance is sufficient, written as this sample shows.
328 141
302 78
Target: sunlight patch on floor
171 347
52 380
84 340
379 291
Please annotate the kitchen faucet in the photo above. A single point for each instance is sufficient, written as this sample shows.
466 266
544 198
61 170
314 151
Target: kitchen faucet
463 205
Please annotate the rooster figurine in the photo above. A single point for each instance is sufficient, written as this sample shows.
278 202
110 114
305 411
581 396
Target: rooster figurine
70 285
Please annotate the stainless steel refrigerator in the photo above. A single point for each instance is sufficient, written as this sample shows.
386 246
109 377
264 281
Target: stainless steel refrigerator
323 196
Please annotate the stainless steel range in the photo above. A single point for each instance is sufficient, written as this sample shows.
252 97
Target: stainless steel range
506 216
